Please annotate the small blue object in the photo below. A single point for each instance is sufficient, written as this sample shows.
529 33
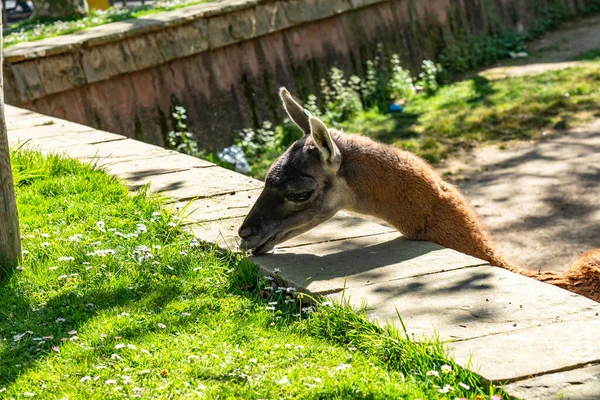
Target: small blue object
396 108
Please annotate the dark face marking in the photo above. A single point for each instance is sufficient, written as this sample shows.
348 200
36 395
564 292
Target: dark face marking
299 194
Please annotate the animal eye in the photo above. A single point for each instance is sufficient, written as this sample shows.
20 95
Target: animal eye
299 197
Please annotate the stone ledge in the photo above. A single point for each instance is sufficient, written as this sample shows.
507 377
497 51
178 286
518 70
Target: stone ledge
53 65
579 384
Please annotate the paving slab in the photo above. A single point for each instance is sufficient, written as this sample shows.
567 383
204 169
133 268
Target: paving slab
119 150
461 303
61 142
232 205
168 162
341 226
540 350
22 121
579 384
48 128
200 182
382 256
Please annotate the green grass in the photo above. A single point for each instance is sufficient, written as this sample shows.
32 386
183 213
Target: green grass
477 111
114 300
590 55
37 29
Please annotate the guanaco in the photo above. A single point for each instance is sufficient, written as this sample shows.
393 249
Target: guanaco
327 171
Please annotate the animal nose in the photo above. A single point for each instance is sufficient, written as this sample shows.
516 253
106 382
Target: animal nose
245 231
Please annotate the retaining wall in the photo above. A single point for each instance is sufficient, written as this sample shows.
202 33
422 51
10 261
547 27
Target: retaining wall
224 61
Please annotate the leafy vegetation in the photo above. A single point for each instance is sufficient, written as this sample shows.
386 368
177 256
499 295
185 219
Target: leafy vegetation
473 51
446 120
40 28
114 300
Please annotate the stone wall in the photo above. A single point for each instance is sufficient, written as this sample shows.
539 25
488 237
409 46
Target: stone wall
224 61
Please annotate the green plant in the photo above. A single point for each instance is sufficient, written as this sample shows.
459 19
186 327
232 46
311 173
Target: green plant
401 84
341 97
180 139
476 51
428 78
263 145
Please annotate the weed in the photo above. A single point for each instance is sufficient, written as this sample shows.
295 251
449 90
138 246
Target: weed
180 139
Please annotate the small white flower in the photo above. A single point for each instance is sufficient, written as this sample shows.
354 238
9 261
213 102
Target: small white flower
145 372
45 244
3 390
446 369
342 367
270 308
20 268
120 346
446 389
85 379
100 225
74 338
59 320
145 352
433 373
44 235
131 347
116 357
52 268
29 394
63 277
464 386
110 382
141 228
284 380
161 326
76 238
48 337
65 258
276 271
73 332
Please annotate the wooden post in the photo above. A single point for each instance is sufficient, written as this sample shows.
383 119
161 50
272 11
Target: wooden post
10 237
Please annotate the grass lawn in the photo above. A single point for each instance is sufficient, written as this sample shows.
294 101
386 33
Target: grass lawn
37 29
479 111
114 300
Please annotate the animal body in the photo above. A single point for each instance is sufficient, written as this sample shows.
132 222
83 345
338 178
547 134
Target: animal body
328 171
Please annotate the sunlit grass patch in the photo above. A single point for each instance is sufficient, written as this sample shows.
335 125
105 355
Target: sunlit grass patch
476 111
37 29
113 299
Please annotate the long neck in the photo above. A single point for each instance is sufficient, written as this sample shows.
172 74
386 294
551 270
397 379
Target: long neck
389 184
406 192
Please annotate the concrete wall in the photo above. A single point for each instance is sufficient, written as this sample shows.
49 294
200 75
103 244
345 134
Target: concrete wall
224 61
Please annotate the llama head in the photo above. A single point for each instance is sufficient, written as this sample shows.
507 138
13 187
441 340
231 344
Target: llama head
302 188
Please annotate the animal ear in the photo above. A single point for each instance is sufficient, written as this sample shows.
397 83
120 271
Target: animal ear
294 110
330 152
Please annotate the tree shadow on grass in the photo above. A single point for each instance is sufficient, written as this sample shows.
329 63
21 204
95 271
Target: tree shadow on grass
19 356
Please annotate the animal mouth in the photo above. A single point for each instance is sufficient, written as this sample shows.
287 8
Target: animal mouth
261 247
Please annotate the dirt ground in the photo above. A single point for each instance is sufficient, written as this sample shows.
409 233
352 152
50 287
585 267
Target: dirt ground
541 200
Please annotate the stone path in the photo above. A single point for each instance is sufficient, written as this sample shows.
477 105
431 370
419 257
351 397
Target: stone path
507 327
540 200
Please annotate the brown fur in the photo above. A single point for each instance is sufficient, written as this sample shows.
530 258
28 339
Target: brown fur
329 170
414 199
